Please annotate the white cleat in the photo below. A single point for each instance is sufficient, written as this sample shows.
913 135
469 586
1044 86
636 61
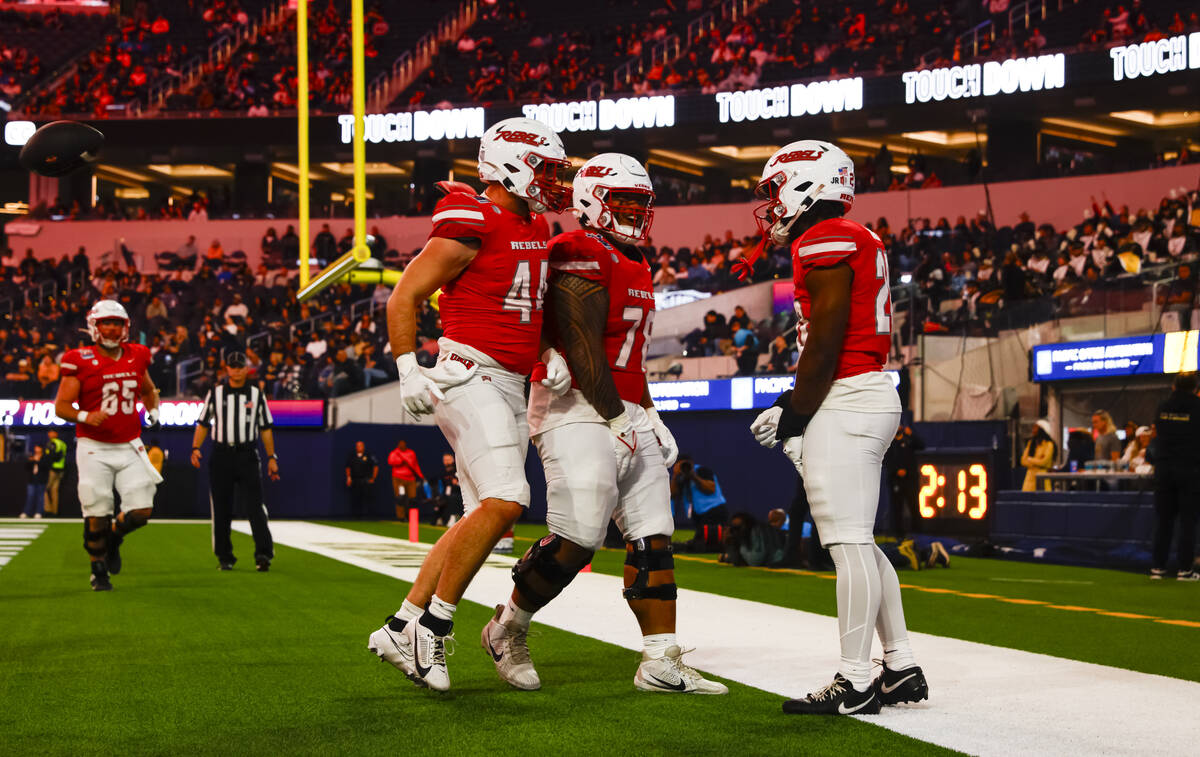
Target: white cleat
510 653
429 656
669 674
392 646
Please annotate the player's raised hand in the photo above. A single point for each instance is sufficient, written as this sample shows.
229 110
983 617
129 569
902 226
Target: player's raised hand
558 376
624 443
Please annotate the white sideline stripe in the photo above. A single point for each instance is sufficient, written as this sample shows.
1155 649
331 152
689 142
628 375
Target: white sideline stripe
462 215
985 700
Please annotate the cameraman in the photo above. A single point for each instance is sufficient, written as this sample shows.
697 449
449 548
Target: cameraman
749 542
694 488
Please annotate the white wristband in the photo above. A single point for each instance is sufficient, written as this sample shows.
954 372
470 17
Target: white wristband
81 416
406 363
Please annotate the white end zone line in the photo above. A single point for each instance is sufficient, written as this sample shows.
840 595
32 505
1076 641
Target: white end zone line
984 700
15 535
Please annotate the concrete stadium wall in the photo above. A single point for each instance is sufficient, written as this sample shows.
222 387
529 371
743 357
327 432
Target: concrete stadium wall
1057 201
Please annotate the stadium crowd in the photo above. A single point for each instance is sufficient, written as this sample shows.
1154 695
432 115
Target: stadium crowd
966 275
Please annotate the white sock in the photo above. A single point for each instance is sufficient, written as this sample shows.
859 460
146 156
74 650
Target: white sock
893 633
441 609
657 644
858 596
408 611
515 617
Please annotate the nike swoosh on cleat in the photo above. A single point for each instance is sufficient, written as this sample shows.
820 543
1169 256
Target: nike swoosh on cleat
399 646
422 671
842 709
492 652
889 689
673 686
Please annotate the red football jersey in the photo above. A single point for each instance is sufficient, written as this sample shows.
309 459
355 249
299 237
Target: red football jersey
630 302
869 331
113 386
495 304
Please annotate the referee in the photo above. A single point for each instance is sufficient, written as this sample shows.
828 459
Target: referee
238 414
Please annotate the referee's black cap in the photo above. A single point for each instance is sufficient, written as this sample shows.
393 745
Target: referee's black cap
236 359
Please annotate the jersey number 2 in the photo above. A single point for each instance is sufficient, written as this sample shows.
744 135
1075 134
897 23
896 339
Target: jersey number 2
883 298
523 296
119 397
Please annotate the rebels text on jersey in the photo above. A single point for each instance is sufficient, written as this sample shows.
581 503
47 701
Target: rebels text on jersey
869 329
113 386
630 302
495 304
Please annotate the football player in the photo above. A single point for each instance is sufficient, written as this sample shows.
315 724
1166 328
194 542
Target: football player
107 380
602 444
487 253
837 423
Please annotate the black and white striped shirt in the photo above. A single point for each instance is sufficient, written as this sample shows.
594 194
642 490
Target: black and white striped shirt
235 415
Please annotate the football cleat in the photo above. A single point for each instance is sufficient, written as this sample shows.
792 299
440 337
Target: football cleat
1158 573
391 645
838 698
668 674
508 650
1187 575
100 580
226 565
429 655
898 686
113 558
262 565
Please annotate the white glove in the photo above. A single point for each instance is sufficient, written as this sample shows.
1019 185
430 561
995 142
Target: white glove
558 376
666 440
416 389
764 427
793 447
624 443
152 418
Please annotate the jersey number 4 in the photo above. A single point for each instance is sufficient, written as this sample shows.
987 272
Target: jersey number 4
524 296
119 397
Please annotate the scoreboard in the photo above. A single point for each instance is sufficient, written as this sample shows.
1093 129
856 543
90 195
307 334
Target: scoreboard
954 495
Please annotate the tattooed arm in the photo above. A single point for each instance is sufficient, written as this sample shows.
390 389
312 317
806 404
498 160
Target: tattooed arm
581 310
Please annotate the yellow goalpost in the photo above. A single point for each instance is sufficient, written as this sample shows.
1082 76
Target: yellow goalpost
360 253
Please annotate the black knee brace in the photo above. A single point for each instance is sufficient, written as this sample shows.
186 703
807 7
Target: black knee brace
95 535
647 558
548 567
131 521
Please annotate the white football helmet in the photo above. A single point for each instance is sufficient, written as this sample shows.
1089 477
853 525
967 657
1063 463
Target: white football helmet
796 176
104 310
528 159
614 179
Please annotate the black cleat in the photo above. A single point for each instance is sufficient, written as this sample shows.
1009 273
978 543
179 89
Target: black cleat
113 558
838 698
899 686
1187 575
226 565
100 580
262 565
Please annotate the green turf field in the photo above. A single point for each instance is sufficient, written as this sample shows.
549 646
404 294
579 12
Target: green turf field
184 659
